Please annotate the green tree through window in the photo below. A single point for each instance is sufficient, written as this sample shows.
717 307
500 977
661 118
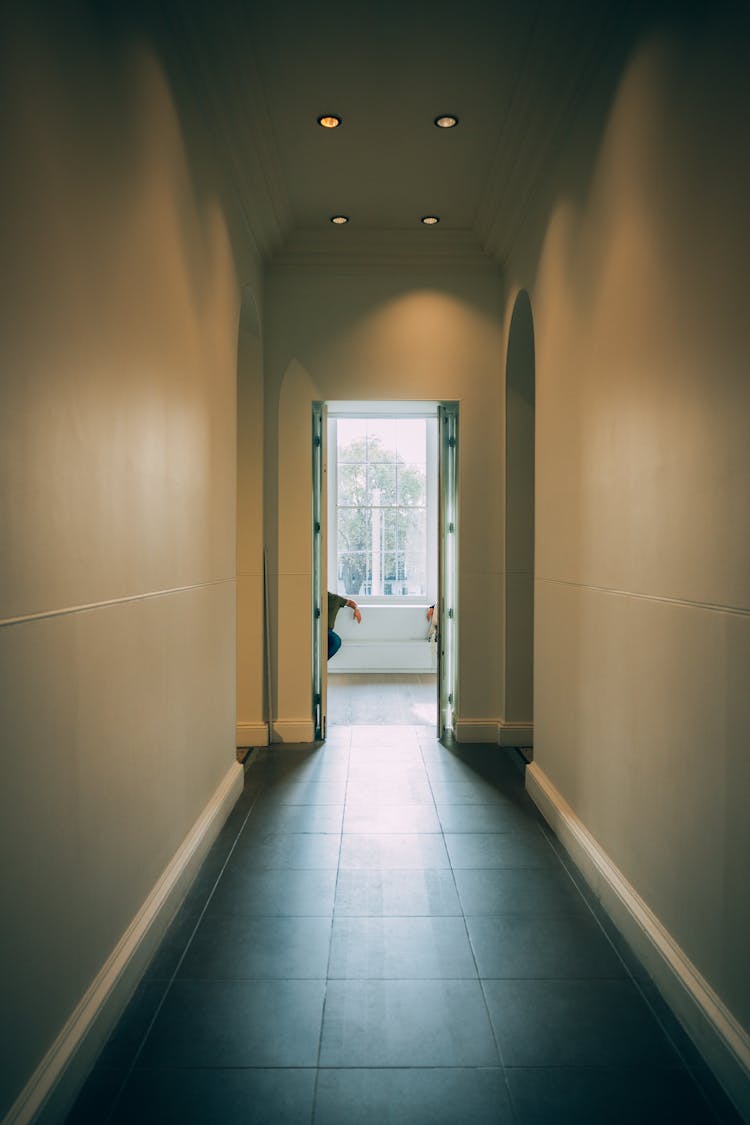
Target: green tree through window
381 517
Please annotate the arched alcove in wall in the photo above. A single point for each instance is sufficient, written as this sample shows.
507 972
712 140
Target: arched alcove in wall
251 674
519 521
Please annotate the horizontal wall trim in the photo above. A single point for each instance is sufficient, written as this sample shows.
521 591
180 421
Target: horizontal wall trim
715 607
46 614
52 1088
252 734
722 1040
292 730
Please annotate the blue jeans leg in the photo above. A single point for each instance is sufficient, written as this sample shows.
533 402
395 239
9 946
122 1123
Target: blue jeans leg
334 643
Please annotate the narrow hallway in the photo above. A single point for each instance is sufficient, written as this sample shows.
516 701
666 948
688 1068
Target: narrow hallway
385 933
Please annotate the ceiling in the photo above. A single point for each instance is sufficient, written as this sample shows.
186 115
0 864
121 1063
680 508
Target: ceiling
512 72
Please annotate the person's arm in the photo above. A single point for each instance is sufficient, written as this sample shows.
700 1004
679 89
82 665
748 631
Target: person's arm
353 606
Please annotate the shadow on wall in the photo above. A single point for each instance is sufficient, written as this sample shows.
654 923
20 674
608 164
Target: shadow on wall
519 514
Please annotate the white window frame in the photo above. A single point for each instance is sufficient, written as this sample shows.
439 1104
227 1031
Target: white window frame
383 410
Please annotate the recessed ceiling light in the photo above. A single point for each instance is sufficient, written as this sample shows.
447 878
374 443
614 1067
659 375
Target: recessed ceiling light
339 220
446 121
329 120
429 220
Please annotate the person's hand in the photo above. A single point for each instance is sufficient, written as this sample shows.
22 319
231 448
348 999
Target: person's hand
430 612
357 614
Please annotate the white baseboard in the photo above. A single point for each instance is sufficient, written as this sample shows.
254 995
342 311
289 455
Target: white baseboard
721 1039
293 730
515 734
496 731
54 1085
476 730
251 734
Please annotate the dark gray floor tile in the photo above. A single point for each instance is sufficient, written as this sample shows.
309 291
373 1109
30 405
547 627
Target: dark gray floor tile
244 890
412 1097
513 890
236 947
289 792
174 943
396 893
524 945
237 1024
504 816
97 1096
391 818
293 818
126 1038
500 849
300 850
217 1097
406 1023
400 948
573 1096
472 791
575 1023
399 851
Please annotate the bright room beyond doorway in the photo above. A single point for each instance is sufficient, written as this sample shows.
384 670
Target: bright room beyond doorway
363 699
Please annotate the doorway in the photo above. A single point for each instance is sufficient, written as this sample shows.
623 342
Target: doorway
385 536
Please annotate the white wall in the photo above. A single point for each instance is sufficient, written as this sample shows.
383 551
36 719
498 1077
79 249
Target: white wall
384 334
636 262
117 503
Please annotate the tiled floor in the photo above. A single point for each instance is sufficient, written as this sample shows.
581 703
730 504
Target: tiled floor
386 933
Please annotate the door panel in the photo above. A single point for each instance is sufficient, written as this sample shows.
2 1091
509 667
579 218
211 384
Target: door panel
448 565
320 589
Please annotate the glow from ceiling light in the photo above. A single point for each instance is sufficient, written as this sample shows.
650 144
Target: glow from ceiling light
446 121
339 220
329 121
430 220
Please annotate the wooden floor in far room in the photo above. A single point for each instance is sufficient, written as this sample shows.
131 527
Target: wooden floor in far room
363 698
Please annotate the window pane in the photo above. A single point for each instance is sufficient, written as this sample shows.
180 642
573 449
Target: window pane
352 485
388 530
351 439
413 528
381 485
411 439
353 573
381 440
412 485
354 532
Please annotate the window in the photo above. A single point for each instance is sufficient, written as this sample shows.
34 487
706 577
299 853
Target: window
382 531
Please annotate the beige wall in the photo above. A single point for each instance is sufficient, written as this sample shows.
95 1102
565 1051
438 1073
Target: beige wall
385 335
118 351
636 262
251 705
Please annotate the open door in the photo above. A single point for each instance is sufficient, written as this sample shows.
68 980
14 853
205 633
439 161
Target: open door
447 564
320 588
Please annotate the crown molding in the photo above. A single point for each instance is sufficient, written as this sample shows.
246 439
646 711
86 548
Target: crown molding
346 249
